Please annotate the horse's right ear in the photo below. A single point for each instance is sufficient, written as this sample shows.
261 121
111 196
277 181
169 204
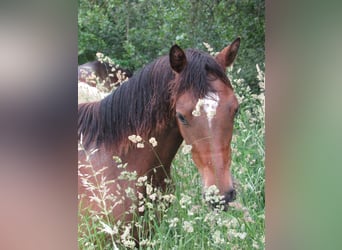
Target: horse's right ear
177 58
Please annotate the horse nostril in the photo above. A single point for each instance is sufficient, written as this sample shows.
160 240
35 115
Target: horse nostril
230 196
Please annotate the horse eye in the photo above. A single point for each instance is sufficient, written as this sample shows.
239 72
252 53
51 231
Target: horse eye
182 119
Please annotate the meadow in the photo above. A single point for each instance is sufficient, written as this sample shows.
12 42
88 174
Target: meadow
181 218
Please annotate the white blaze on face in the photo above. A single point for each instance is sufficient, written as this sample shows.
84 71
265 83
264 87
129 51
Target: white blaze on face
209 103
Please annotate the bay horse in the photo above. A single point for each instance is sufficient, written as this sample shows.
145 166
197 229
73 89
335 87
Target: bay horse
185 95
94 71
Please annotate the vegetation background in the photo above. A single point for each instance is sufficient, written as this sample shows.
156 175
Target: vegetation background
134 32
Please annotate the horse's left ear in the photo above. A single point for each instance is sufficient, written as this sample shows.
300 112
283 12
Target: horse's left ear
177 58
227 56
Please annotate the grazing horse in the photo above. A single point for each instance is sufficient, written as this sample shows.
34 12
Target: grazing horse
183 96
105 72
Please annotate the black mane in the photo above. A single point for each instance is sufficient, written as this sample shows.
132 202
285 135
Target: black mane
145 103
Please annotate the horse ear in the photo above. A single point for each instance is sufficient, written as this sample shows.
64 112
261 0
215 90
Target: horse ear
227 56
177 58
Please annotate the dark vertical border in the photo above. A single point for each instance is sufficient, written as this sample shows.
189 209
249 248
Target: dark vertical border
303 124
38 110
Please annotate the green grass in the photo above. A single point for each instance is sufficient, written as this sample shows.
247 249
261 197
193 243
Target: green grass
187 222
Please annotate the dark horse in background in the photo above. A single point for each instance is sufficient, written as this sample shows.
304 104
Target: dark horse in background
184 96
110 75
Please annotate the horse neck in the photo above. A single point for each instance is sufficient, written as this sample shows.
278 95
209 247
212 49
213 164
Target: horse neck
155 162
169 142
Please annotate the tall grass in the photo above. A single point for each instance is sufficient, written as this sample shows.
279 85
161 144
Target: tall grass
181 219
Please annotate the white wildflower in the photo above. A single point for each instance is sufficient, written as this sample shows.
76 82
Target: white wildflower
142 179
211 195
153 141
99 55
168 180
140 145
108 229
130 193
173 222
233 223
126 234
140 196
149 189
126 175
129 243
261 74
242 236
132 138
211 191
117 159
135 138
255 245
185 201
122 165
217 237
239 81
153 196
149 205
187 226
141 209
170 198
186 149
208 47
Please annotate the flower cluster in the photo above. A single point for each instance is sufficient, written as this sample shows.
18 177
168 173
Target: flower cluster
186 149
153 142
185 201
114 68
210 49
119 162
187 226
127 175
154 200
136 139
102 58
212 196
173 222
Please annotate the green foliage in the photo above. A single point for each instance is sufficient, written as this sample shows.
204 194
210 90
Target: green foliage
134 32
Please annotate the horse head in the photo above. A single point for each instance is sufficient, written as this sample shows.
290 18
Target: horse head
206 120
